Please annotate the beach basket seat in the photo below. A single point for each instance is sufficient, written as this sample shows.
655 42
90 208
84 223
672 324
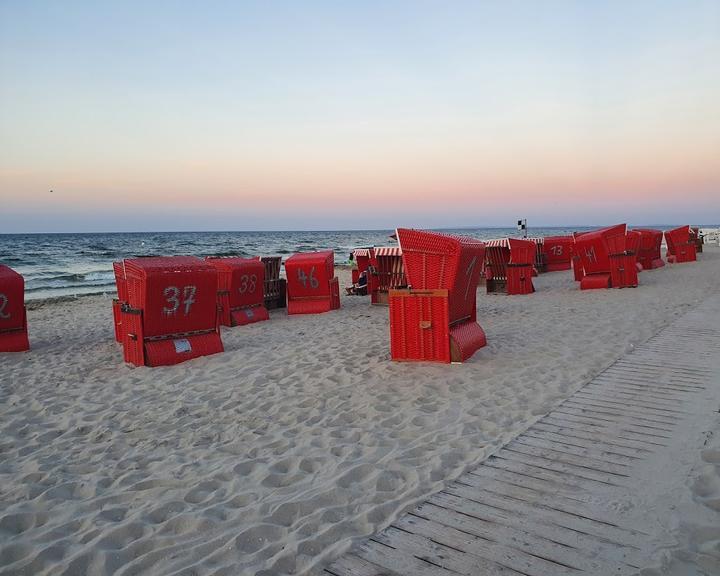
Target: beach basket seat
435 319
13 315
520 267
365 260
240 294
540 264
171 314
605 259
274 287
697 238
312 287
557 251
648 249
122 298
680 246
388 274
497 256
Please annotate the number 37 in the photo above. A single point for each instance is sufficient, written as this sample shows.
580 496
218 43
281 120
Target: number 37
175 297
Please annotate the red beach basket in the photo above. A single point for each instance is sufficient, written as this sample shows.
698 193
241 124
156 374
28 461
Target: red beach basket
311 284
13 316
435 318
558 253
240 293
681 247
171 314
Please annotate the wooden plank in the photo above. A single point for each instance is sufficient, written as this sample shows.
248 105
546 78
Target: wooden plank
542 499
593 451
484 545
398 561
563 554
584 462
560 480
351 565
447 557
639 431
637 396
522 479
634 405
581 542
655 383
624 410
605 416
580 433
550 513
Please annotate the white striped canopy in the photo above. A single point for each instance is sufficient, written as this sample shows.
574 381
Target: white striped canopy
388 251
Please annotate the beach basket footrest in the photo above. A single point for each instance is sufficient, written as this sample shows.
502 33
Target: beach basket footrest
249 315
595 281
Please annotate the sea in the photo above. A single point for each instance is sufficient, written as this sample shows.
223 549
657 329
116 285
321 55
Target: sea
77 264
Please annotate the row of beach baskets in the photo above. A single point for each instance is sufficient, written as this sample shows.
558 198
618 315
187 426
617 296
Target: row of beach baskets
170 309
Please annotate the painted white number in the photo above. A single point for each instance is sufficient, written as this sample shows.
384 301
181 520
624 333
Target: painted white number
3 305
590 253
248 283
172 296
557 250
304 279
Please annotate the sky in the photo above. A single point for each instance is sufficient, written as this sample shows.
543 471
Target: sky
171 115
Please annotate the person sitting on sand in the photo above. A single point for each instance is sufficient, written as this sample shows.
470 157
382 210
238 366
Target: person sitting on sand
360 287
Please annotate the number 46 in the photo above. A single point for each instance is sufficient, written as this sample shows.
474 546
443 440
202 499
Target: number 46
304 279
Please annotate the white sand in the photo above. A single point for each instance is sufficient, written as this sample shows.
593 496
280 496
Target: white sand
272 457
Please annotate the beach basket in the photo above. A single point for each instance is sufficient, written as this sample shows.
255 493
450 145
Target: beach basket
13 315
274 287
605 260
311 284
171 314
520 267
557 251
121 300
240 294
497 257
648 248
434 319
389 274
680 246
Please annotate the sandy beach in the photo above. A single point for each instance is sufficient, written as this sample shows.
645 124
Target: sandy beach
275 456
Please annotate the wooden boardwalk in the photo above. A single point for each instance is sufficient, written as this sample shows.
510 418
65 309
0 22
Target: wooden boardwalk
550 502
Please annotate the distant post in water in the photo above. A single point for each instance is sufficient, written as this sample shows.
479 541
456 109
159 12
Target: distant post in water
522 227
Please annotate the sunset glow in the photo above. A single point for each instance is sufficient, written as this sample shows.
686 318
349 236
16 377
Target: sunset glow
328 115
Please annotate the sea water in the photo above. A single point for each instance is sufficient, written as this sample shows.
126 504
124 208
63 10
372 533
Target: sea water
75 264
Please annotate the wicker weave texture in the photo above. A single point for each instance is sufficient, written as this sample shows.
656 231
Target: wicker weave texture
558 252
519 279
595 281
120 281
175 350
466 338
12 299
249 315
16 339
176 294
649 253
594 248
623 271
242 278
309 275
522 251
419 325
680 247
